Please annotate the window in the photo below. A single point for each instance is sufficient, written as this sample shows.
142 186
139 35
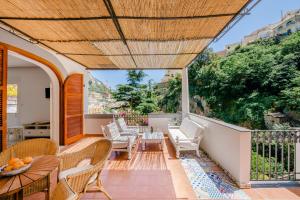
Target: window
290 23
12 98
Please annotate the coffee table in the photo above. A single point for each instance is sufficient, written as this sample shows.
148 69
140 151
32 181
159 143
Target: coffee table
154 137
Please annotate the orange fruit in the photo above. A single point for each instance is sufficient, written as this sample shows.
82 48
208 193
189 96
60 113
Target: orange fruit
8 168
27 159
18 164
13 160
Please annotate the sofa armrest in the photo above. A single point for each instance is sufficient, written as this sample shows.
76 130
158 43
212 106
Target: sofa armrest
132 127
173 127
186 139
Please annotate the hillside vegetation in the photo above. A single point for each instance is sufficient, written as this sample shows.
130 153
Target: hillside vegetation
240 87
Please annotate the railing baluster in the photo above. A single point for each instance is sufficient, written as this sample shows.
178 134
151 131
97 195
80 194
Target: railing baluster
270 141
263 155
276 173
281 152
282 159
289 175
257 142
294 165
294 150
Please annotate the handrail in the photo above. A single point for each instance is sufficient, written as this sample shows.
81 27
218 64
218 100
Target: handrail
274 155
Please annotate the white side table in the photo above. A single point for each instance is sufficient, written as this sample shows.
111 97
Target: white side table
155 137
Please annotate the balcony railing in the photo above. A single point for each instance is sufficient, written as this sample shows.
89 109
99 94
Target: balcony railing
133 119
274 155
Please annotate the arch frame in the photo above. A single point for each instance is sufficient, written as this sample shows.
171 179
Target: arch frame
55 71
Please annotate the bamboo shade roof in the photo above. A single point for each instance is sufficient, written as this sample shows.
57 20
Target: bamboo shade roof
123 34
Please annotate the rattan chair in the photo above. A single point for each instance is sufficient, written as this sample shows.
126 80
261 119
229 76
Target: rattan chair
33 148
63 191
81 178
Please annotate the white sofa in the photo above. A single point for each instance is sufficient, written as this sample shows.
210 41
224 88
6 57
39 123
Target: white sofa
187 137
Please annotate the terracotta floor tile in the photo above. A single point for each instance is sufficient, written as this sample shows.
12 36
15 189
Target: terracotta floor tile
157 175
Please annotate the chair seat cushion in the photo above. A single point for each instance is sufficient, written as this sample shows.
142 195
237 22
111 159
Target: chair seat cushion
64 174
128 132
174 133
122 141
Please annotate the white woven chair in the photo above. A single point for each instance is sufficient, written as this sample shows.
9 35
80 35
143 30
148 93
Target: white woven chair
120 143
125 129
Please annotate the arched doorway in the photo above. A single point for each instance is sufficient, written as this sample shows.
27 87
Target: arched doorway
56 87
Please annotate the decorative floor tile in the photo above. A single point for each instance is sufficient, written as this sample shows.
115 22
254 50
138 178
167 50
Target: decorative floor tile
208 180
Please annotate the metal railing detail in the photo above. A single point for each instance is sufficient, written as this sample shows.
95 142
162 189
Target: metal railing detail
273 155
133 119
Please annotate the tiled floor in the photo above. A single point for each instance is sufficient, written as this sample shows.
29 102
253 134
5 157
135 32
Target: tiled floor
158 175
150 174
208 180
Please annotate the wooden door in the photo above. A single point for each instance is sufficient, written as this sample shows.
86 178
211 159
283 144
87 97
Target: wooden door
73 108
3 97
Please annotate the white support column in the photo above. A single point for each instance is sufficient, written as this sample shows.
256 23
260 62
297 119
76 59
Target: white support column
298 161
185 101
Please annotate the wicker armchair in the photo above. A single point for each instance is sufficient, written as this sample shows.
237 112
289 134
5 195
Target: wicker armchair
63 192
81 178
33 147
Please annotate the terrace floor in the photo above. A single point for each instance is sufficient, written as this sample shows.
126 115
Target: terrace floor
157 175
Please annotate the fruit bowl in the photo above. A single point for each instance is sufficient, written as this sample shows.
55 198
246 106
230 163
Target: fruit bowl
16 166
14 172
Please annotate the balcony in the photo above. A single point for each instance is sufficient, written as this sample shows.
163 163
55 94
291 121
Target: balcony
234 162
224 164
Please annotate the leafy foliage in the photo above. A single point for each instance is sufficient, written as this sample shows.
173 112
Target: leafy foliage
240 87
263 165
140 97
12 90
170 101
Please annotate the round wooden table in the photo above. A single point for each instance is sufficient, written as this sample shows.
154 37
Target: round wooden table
35 179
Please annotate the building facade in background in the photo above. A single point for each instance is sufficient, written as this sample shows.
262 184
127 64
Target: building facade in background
289 23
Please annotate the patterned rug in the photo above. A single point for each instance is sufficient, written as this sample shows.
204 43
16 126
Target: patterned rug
208 180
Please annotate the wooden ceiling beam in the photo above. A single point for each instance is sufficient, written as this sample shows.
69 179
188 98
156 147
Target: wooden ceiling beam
117 17
118 27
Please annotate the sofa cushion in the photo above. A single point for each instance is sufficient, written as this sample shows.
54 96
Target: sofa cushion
64 174
122 124
112 131
174 133
122 141
190 128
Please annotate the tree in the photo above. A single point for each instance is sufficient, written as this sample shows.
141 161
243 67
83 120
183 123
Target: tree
140 97
149 104
172 97
135 77
253 79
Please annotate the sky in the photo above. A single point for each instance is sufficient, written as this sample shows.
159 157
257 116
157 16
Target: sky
266 12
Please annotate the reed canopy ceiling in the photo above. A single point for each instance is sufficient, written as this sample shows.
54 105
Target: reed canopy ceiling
125 34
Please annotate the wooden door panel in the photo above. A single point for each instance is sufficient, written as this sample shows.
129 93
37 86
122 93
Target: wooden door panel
73 108
3 97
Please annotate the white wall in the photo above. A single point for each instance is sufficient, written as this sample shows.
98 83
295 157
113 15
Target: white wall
63 65
160 121
229 146
93 123
32 104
